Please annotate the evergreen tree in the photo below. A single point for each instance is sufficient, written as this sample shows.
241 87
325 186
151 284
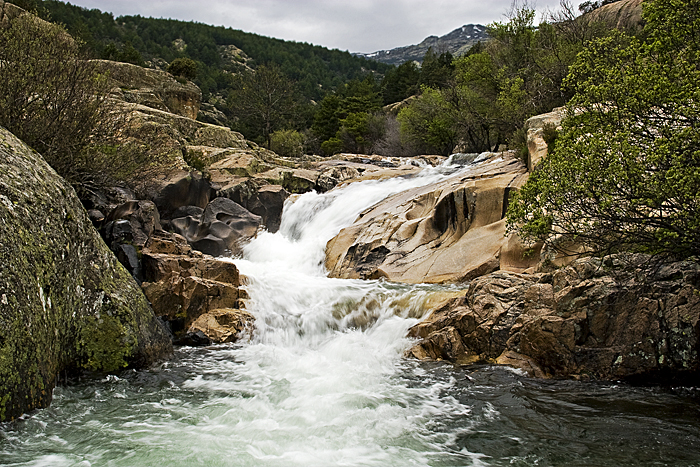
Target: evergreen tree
263 101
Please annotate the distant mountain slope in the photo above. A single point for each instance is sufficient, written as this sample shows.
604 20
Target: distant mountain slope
459 40
219 51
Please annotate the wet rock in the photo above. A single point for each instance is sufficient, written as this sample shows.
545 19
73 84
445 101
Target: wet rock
129 257
65 301
611 319
333 176
96 217
223 326
194 339
451 231
182 288
268 203
195 212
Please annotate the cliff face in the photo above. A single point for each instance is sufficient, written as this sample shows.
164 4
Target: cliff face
153 88
65 301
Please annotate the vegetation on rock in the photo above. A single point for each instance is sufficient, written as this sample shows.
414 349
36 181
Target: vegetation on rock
66 303
184 67
625 170
56 101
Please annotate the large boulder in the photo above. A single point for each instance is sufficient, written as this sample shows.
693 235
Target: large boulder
451 231
8 11
625 15
219 229
266 201
181 288
601 319
65 301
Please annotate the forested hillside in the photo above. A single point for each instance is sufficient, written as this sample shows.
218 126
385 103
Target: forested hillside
298 98
136 39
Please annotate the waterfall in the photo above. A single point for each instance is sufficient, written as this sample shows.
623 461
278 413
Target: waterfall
324 360
324 382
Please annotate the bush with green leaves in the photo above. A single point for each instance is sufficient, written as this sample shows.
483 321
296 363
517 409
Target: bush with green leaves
287 143
183 67
624 174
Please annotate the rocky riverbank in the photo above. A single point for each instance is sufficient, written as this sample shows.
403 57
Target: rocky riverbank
66 303
629 318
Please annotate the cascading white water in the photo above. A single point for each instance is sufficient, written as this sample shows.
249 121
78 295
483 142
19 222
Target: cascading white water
324 383
323 363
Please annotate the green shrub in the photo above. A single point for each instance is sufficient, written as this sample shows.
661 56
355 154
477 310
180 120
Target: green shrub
549 135
332 146
287 143
183 67
625 171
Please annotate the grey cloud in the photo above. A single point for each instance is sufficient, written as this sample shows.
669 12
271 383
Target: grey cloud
358 26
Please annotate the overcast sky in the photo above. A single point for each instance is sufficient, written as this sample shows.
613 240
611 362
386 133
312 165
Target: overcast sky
354 25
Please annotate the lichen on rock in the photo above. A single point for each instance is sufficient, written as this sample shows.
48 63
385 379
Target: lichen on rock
65 301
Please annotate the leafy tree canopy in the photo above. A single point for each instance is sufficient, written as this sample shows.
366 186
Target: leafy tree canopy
264 101
625 170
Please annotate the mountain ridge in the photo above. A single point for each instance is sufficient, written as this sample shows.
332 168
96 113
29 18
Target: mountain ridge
455 42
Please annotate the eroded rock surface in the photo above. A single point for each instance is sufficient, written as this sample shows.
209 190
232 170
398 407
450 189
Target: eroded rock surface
65 301
219 229
153 88
446 232
536 145
602 319
223 326
182 287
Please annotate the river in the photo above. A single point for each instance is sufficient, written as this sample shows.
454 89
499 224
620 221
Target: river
324 382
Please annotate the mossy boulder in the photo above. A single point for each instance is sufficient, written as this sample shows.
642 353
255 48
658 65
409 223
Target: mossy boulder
65 301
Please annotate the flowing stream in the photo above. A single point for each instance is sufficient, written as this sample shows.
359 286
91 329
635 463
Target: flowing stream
324 382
